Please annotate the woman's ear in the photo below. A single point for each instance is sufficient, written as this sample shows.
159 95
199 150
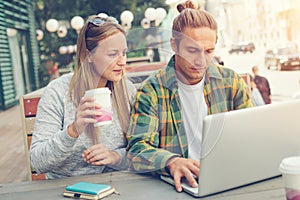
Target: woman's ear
173 44
89 56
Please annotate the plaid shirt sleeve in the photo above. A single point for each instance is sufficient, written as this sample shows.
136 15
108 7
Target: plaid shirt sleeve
144 150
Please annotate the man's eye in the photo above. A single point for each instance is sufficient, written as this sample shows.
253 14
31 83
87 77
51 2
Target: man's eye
192 50
210 51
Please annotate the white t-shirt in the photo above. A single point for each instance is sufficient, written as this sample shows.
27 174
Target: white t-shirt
194 109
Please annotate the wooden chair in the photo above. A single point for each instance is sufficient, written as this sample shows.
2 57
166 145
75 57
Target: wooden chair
138 60
138 72
28 108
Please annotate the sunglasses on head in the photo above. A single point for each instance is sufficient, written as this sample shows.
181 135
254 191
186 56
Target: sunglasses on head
100 20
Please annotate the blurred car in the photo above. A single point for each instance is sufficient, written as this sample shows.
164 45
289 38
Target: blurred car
283 58
242 47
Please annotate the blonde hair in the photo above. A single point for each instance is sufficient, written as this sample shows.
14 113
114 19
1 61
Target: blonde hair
193 17
88 39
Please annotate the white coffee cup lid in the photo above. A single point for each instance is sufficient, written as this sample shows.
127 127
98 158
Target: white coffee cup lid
104 90
290 165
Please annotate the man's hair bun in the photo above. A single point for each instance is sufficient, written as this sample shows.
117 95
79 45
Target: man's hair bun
188 4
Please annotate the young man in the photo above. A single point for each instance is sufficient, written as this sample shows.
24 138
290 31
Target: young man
165 130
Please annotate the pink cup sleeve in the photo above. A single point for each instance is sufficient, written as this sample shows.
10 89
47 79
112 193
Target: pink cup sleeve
106 116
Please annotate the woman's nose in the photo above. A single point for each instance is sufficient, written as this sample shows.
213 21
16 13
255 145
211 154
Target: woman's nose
122 59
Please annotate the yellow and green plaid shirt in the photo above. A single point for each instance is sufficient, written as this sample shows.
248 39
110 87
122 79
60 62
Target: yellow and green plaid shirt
156 131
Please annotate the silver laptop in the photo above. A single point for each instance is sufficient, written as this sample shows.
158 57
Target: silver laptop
245 146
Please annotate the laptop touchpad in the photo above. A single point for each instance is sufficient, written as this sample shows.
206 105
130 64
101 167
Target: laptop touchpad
186 186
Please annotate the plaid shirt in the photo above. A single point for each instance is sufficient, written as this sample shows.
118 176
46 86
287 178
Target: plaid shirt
156 131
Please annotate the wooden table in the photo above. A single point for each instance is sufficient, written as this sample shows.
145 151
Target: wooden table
136 187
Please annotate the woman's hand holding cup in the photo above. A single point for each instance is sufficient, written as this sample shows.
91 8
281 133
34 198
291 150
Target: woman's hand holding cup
86 112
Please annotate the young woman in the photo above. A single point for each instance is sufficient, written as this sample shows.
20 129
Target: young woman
65 142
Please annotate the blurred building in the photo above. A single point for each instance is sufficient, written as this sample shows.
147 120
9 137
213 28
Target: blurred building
289 17
19 55
263 22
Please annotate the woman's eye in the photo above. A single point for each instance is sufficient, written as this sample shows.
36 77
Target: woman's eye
112 54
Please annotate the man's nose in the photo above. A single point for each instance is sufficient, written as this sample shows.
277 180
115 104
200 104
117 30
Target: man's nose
200 59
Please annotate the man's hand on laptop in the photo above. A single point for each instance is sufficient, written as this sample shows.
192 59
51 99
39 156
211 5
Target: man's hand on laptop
183 168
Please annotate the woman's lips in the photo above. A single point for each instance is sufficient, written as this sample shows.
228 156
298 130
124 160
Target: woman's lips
118 70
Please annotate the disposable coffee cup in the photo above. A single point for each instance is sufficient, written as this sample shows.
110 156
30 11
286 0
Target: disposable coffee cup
102 96
290 169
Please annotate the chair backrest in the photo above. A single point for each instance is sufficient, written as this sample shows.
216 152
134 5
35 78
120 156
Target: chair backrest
140 60
138 72
28 107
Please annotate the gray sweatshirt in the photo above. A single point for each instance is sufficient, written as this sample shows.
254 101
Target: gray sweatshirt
57 154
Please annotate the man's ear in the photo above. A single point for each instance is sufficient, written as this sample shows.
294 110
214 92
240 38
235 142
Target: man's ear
89 56
173 45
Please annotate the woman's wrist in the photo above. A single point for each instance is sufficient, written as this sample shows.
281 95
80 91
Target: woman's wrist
117 158
72 131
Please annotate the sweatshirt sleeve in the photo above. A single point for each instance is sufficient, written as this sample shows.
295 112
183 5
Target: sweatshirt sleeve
51 143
